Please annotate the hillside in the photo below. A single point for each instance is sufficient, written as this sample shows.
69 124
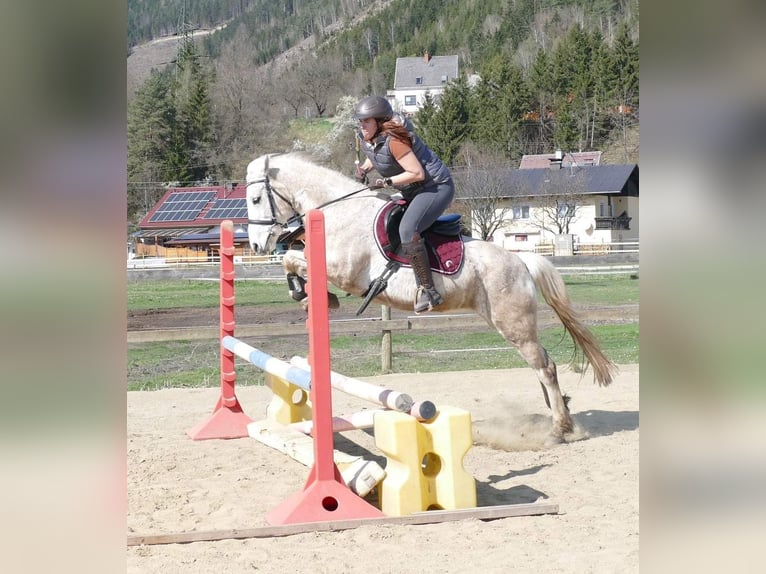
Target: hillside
159 52
156 54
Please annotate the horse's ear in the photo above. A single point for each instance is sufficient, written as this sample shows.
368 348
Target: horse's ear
266 166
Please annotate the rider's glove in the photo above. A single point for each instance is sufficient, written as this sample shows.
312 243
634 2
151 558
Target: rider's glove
361 175
377 184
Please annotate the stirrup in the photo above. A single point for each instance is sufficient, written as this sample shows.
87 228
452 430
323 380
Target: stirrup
426 298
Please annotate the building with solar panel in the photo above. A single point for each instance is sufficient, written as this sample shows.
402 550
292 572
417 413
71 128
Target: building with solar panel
185 223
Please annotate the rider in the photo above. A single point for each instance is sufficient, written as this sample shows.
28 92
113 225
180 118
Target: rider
407 164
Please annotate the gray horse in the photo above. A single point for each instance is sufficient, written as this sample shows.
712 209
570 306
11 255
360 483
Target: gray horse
494 283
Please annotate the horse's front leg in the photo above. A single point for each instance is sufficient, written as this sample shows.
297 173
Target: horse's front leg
296 268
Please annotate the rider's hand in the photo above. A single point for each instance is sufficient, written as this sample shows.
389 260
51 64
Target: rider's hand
377 184
361 175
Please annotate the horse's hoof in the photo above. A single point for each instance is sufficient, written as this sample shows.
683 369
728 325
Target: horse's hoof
553 440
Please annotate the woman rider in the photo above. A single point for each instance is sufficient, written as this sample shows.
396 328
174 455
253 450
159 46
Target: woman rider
407 164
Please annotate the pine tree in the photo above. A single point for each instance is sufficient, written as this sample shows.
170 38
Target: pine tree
446 128
151 119
497 108
193 129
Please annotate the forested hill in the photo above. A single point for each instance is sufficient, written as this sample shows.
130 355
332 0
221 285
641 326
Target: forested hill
555 74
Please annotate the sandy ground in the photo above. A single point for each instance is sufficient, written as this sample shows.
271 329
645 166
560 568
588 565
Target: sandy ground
176 484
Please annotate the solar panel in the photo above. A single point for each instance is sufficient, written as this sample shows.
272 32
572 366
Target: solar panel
227 209
182 206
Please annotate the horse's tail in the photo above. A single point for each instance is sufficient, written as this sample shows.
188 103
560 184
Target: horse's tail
548 280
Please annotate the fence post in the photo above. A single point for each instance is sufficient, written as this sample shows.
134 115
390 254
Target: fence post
386 344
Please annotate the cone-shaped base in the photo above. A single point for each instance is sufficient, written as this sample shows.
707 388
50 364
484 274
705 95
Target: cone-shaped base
322 501
225 422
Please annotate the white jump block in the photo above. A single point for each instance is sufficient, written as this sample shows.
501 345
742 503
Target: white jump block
360 475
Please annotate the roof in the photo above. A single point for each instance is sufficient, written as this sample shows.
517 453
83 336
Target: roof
586 180
433 71
543 160
195 211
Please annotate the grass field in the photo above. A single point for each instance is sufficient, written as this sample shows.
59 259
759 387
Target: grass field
196 363
176 293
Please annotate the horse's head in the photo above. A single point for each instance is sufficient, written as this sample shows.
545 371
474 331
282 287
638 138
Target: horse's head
267 208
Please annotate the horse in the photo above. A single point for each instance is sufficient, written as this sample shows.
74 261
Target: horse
498 285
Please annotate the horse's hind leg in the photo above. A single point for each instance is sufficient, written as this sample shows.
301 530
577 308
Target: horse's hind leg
537 358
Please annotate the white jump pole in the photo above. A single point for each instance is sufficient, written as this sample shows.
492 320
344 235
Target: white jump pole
394 400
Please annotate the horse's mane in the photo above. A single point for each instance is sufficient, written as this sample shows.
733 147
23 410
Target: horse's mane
300 169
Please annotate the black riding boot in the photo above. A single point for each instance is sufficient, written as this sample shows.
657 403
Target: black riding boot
427 296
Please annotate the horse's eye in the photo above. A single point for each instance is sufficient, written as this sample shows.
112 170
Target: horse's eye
256 200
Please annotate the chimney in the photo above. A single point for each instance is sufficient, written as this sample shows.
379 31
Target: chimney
426 57
557 160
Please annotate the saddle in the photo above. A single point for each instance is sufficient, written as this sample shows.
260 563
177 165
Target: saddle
444 244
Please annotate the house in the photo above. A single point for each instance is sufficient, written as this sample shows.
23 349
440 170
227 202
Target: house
185 223
414 77
600 201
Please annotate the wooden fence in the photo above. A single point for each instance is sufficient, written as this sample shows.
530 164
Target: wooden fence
384 327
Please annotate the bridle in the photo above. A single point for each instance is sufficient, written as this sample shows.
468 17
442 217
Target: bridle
270 193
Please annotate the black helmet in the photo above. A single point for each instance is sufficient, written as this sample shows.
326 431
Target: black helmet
373 107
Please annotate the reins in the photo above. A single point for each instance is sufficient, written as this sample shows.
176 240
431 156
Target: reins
271 192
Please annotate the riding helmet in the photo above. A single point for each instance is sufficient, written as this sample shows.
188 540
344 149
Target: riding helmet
376 107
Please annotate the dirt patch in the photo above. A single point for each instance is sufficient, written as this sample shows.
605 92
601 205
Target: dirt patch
294 314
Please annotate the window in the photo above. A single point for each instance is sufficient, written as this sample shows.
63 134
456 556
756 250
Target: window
604 210
410 100
419 80
444 79
521 237
521 212
566 210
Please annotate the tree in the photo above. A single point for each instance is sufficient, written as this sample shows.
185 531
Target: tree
193 125
151 116
150 120
623 62
560 204
318 83
483 190
445 128
498 105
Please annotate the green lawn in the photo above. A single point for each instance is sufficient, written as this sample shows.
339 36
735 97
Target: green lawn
175 293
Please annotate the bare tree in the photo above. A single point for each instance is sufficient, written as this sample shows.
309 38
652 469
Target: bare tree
291 92
560 205
318 82
482 189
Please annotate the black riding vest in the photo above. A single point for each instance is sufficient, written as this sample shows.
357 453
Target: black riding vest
380 155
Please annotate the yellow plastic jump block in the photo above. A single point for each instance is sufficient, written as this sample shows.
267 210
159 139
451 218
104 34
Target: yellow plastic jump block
290 403
424 469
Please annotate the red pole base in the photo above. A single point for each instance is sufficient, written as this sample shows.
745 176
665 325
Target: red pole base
322 501
225 422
